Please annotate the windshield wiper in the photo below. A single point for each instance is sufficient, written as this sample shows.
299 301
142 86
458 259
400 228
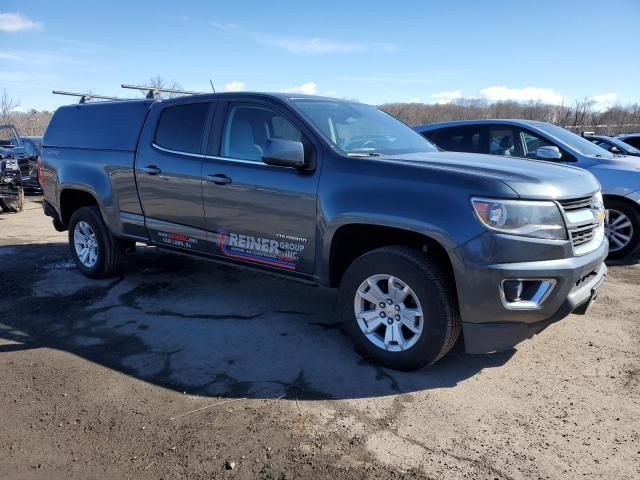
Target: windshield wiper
364 154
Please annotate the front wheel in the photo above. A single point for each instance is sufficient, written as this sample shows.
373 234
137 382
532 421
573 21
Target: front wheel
399 308
622 227
95 251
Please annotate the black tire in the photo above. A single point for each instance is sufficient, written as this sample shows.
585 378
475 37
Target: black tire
110 250
433 288
633 214
16 205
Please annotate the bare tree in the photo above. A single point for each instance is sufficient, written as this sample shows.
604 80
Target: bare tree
160 82
7 107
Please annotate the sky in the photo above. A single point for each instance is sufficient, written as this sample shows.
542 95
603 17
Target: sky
374 51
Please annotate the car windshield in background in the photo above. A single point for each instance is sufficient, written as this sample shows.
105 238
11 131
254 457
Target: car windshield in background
582 145
8 138
361 130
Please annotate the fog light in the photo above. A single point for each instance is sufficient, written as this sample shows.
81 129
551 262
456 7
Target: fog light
529 294
512 290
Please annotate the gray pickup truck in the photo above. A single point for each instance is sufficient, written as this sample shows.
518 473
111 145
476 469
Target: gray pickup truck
421 244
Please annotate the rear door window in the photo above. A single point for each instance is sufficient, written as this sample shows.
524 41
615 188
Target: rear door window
459 139
502 141
180 127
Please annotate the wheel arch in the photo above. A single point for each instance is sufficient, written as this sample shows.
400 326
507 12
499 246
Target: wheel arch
351 240
72 198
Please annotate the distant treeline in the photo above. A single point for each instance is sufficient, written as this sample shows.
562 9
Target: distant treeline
581 116
29 123
578 117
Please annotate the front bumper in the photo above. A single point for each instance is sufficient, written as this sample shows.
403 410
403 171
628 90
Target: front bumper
487 324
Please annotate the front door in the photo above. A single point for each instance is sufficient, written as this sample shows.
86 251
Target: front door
256 213
169 176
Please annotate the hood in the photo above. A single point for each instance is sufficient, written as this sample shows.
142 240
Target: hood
530 179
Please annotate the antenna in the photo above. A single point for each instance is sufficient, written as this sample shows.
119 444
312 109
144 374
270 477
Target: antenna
85 97
153 91
212 87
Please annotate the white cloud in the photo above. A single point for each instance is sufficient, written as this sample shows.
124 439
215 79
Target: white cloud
37 57
415 100
235 86
446 97
309 88
22 78
9 56
313 46
331 93
383 78
526 94
224 25
16 22
301 45
604 101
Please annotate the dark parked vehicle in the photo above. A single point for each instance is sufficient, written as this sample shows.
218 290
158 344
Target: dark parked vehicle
612 144
32 147
12 161
632 139
619 175
422 244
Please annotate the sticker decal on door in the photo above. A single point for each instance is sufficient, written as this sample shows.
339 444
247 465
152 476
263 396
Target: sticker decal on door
282 253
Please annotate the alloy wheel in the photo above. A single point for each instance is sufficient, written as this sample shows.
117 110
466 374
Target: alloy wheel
618 228
86 244
388 313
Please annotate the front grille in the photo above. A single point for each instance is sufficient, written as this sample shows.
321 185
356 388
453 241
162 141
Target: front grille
582 235
576 204
583 231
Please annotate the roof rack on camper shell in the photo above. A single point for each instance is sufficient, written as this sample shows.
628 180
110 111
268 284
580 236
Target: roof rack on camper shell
153 91
85 97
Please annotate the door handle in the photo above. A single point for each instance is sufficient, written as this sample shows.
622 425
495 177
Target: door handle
152 170
218 179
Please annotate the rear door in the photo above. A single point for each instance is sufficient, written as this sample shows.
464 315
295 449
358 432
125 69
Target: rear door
169 175
257 213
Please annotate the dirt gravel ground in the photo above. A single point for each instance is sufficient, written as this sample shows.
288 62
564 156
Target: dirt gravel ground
187 369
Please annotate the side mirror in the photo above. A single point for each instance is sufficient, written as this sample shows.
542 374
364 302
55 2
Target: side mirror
615 149
283 153
548 153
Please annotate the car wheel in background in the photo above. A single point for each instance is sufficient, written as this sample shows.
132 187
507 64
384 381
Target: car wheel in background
399 308
622 227
96 253
14 205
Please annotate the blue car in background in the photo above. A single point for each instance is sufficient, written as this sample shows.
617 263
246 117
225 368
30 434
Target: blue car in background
619 175
632 139
613 144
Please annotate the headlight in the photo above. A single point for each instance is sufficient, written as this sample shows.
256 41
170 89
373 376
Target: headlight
11 164
597 205
521 217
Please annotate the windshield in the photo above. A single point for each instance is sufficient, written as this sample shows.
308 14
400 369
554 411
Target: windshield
361 130
582 145
8 137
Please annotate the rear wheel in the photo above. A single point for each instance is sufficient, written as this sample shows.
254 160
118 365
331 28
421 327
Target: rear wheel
622 227
399 308
95 251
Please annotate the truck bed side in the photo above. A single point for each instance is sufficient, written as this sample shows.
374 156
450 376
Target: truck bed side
89 150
